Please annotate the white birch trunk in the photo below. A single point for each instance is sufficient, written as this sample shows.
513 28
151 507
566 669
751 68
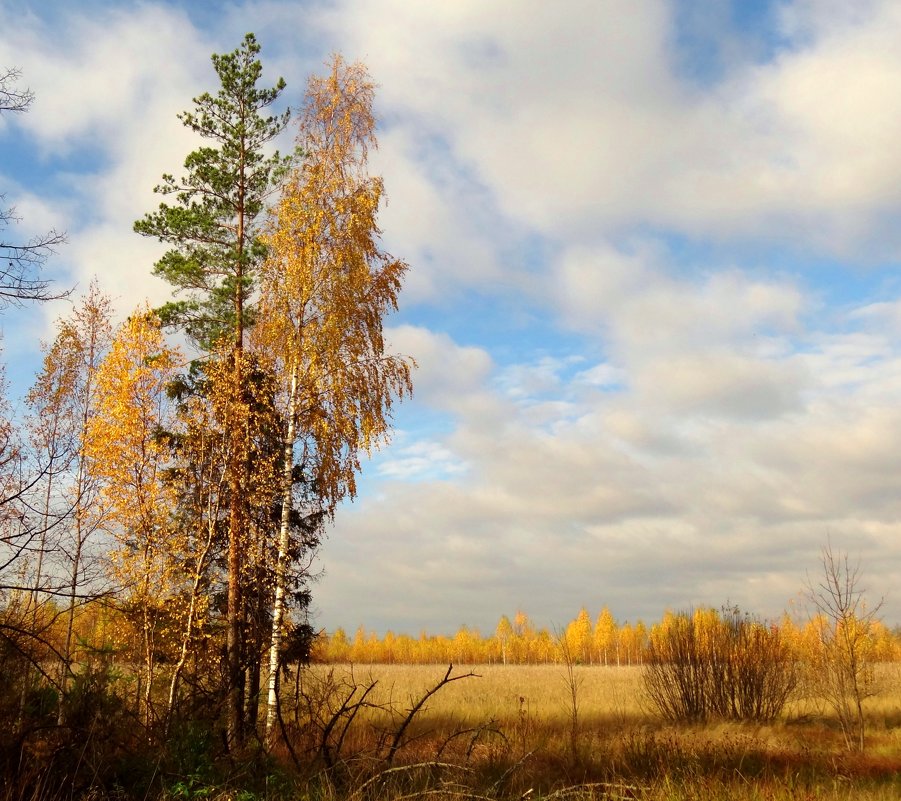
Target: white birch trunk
284 541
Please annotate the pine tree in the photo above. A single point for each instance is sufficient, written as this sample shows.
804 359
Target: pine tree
213 227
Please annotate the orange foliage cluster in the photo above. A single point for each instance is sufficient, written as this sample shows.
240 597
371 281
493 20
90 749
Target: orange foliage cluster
110 634
603 641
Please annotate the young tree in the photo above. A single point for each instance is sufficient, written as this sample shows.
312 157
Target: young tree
213 228
128 452
65 511
568 642
579 635
52 446
324 292
842 661
18 539
198 482
88 335
503 634
53 441
605 635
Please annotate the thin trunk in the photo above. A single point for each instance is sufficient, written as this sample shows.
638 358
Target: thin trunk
189 626
70 619
237 485
148 666
252 693
39 569
235 696
281 568
32 605
80 481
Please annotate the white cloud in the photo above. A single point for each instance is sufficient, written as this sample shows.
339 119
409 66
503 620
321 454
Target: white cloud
581 125
721 384
448 376
421 460
708 476
714 335
107 88
96 75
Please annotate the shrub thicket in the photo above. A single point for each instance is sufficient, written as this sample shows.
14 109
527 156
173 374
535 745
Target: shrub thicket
708 664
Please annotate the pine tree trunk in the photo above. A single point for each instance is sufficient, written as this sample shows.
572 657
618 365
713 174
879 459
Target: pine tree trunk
235 642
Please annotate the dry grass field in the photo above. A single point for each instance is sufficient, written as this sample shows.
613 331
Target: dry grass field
509 732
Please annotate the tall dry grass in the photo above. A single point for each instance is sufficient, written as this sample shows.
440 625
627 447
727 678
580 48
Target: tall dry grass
505 734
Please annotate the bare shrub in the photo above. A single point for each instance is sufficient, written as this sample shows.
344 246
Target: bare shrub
324 723
708 664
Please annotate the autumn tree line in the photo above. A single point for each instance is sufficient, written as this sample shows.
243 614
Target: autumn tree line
587 640
160 504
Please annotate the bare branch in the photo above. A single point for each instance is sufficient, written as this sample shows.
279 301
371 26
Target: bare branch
20 276
12 99
414 709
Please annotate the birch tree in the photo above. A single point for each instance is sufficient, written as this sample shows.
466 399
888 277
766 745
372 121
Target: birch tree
54 446
129 453
325 290
63 510
89 335
199 486
605 636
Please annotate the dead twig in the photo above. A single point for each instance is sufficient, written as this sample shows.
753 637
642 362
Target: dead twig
399 734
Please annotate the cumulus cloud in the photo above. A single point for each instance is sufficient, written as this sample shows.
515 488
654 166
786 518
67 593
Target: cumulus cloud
104 114
694 476
631 292
421 460
580 127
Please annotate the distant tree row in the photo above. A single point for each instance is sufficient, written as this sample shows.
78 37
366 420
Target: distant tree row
602 641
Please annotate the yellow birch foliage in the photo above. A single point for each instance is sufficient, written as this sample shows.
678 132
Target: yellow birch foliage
123 441
327 285
605 634
578 636
128 453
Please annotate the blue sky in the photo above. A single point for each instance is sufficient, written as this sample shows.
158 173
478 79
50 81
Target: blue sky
654 289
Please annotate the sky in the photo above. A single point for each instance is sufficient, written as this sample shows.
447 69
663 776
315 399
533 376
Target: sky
654 289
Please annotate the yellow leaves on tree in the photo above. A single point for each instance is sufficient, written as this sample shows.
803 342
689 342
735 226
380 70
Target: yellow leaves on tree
126 450
125 440
327 284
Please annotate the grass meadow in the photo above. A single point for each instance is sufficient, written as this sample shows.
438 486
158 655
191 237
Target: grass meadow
510 732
